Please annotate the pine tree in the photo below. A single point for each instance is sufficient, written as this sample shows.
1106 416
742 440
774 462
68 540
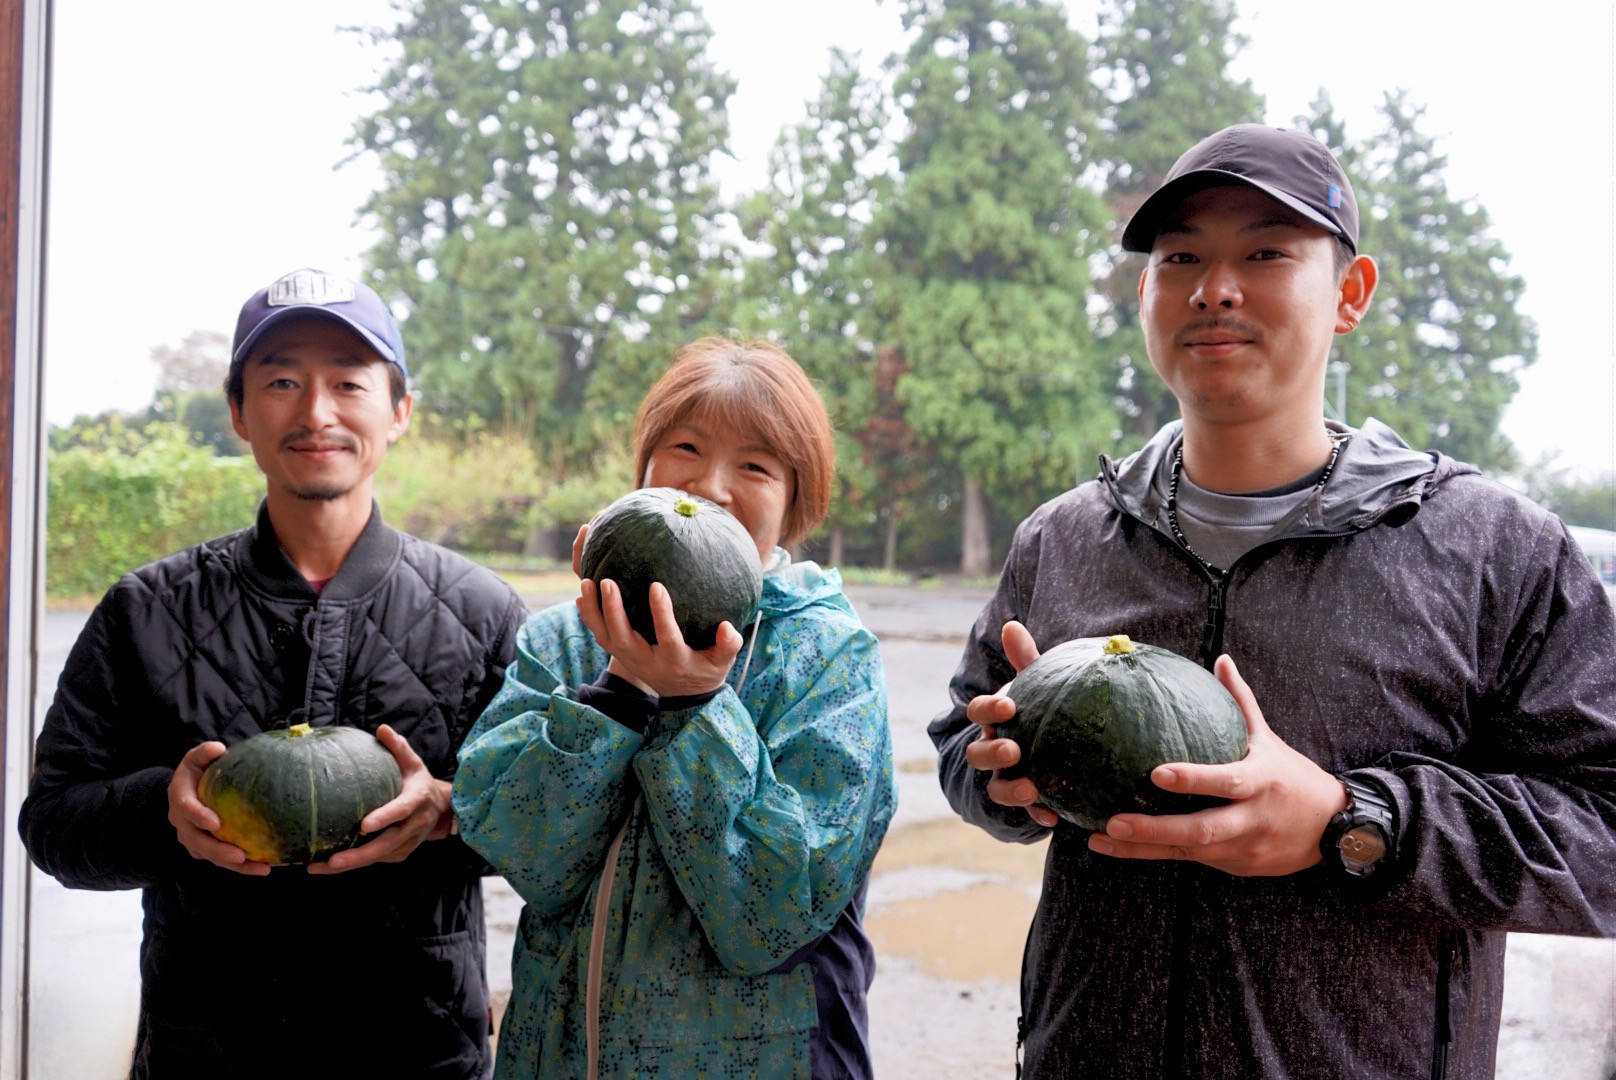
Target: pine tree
547 206
987 240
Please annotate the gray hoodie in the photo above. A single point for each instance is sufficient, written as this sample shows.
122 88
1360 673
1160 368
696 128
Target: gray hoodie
1415 625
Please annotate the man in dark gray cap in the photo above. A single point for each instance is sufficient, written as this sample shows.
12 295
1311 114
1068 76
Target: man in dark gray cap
371 963
1426 666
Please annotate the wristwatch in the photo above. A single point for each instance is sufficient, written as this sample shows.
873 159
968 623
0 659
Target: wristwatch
1363 837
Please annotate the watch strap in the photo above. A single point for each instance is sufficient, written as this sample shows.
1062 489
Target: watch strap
1367 806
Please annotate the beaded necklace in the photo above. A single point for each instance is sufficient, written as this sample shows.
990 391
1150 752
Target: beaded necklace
1336 439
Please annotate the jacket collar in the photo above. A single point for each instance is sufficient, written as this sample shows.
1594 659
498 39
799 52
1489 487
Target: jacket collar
370 562
1376 475
789 585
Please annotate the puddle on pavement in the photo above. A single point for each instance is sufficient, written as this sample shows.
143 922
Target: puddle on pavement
965 934
950 842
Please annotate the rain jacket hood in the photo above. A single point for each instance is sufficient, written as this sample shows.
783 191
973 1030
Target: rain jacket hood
1377 475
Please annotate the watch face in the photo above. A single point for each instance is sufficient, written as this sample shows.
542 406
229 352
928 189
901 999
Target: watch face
1361 847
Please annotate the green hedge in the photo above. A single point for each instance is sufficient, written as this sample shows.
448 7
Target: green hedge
113 508
121 498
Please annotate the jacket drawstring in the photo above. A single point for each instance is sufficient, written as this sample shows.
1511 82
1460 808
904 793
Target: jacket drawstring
597 950
756 622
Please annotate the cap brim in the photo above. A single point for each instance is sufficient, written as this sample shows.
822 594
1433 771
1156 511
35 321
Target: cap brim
281 315
1140 234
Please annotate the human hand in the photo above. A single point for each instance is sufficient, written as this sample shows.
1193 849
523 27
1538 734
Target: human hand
420 812
989 752
670 668
1280 802
195 822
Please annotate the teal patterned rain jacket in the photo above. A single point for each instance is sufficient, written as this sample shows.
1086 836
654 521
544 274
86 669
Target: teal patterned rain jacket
743 828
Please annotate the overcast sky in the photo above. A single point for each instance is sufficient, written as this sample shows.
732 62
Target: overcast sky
196 147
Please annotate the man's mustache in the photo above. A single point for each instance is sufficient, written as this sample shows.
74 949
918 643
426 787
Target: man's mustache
1224 324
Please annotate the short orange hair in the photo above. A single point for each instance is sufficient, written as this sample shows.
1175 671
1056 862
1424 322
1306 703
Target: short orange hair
756 387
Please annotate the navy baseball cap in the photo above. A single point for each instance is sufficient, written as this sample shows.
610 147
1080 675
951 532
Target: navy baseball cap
1291 167
304 293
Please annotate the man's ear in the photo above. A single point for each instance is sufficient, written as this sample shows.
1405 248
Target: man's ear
401 417
1357 287
235 419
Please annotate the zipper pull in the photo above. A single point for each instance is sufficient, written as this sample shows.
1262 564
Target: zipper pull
1213 630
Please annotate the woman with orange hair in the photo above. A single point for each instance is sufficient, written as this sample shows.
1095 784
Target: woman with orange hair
693 836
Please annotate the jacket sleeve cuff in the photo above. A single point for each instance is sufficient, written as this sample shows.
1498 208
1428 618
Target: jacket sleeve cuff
140 831
620 700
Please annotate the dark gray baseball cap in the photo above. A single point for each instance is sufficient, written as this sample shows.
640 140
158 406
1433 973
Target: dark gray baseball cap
1291 167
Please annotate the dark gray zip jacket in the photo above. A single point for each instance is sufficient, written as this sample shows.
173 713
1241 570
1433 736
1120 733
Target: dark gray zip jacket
1417 625
376 972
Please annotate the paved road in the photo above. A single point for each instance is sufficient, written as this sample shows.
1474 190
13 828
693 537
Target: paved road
944 1003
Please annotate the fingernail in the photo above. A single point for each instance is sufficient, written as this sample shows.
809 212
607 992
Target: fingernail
1005 754
1098 843
1119 829
1166 776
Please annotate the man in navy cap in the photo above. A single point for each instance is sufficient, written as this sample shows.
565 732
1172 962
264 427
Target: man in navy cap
1426 666
369 964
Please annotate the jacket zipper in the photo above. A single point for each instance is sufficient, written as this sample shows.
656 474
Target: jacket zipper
1178 975
597 951
1447 946
1212 633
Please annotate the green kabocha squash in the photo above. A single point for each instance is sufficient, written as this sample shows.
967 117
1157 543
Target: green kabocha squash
1094 716
703 556
298 794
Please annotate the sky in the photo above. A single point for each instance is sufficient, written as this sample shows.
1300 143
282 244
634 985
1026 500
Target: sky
199 150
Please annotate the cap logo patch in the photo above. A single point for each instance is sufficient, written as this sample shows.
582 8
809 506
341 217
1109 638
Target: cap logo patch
1335 195
309 287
